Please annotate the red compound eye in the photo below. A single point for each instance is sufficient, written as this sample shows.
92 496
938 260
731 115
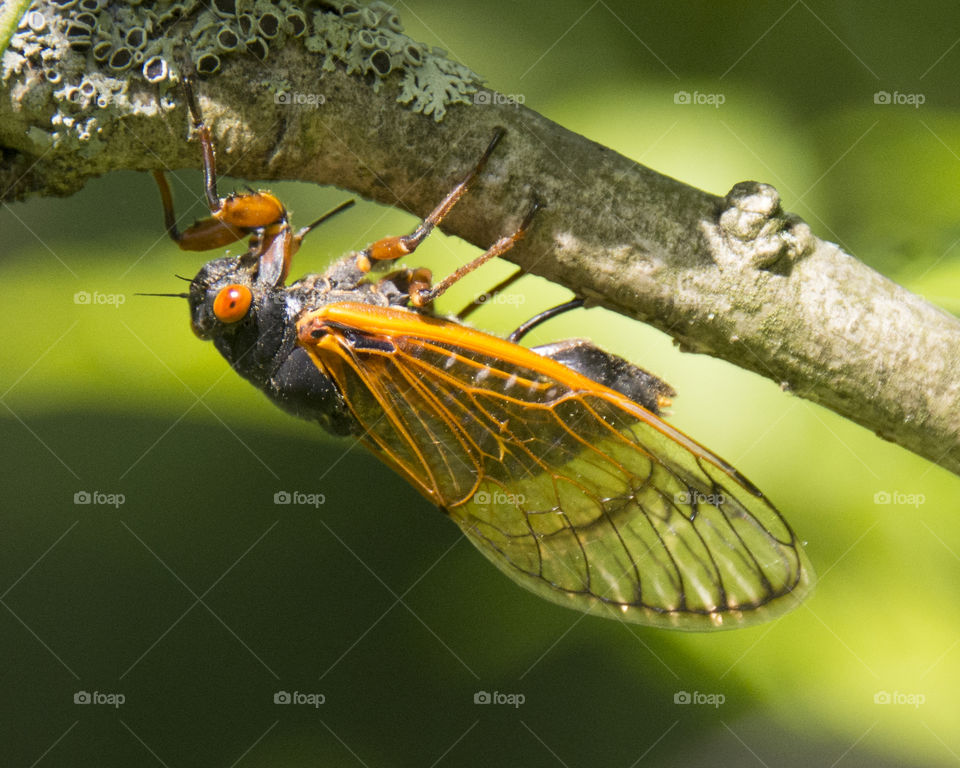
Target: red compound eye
232 303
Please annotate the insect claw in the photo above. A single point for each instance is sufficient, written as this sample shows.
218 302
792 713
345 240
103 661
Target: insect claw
538 204
186 81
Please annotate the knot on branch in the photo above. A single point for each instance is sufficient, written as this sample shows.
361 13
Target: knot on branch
753 230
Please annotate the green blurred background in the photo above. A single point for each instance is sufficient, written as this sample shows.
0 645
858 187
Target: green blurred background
373 599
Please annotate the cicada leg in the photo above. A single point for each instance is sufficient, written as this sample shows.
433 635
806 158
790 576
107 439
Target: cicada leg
424 296
203 235
408 281
231 218
547 314
390 248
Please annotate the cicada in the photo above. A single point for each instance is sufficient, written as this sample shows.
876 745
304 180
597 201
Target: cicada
554 461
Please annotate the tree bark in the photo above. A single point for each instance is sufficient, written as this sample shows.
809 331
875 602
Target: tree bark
732 277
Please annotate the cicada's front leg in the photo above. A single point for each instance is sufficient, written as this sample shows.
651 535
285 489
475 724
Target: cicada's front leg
231 218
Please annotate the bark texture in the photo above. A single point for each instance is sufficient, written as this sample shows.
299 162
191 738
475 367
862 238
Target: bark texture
732 277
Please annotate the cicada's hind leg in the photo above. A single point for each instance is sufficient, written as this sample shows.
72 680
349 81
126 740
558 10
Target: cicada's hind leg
391 248
485 298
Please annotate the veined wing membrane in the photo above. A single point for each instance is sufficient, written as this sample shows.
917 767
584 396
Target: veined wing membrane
571 489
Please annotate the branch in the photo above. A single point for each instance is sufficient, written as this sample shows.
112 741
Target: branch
732 277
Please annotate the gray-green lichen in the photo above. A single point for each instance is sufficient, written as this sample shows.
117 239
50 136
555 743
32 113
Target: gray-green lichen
85 54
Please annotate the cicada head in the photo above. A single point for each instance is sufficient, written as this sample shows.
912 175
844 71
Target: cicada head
251 319
242 313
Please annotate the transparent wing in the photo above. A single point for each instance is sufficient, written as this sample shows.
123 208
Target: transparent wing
574 491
